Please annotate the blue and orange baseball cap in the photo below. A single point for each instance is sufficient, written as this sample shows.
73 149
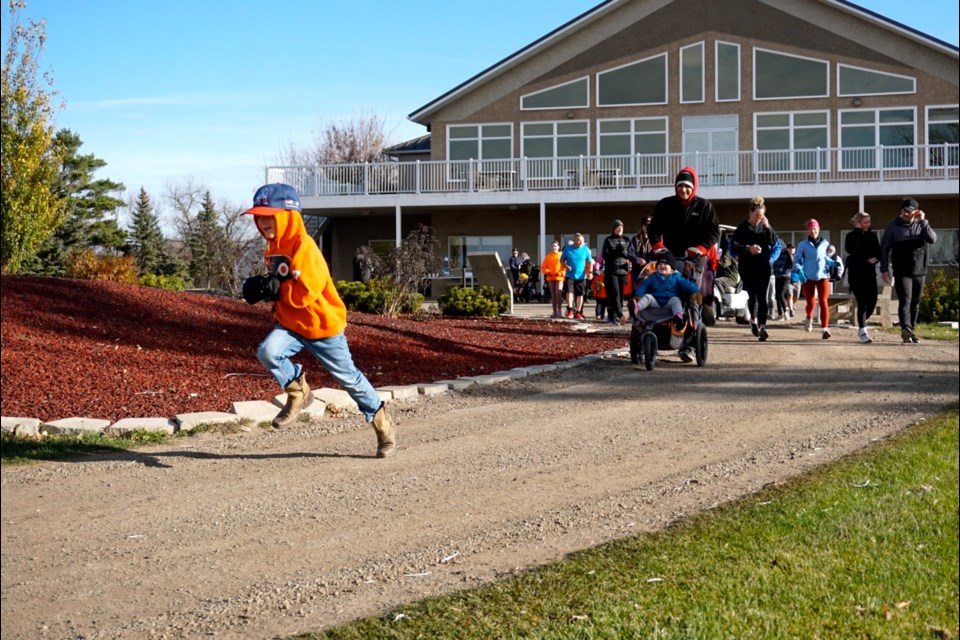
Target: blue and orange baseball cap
271 198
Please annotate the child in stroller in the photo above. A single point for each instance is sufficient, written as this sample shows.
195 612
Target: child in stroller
525 289
663 317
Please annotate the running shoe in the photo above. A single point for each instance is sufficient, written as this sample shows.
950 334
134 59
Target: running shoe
763 335
826 334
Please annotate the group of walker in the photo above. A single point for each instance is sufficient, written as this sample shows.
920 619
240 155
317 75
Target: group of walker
669 268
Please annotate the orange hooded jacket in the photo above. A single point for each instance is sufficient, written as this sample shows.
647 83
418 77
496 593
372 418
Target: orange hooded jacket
309 304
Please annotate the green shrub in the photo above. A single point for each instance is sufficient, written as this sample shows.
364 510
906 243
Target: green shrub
171 283
483 301
941 299
375 295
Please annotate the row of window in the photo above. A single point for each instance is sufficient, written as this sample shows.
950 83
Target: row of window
776 76
790 140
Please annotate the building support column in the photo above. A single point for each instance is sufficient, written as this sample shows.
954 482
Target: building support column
543 232
396 223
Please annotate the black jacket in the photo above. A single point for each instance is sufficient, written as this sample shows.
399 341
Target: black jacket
860 246
904 245
616 255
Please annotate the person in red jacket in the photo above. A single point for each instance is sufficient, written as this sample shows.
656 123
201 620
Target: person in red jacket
686 224
309 313
684 220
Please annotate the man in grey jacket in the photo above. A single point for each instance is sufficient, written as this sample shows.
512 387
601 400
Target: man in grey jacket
904 247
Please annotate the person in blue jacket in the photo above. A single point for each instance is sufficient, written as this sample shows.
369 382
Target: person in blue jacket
814 264
665 288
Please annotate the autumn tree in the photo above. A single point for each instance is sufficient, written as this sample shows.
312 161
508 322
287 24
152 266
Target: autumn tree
30 208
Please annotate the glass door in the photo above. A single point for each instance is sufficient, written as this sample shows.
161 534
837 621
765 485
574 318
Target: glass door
710 147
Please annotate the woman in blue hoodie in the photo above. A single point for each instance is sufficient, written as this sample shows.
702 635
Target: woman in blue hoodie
812 260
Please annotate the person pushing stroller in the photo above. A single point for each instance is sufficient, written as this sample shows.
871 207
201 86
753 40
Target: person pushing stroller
665 288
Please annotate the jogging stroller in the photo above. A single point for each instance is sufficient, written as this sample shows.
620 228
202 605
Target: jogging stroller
655 330
526 288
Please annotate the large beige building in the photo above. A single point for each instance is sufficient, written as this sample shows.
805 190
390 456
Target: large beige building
821 106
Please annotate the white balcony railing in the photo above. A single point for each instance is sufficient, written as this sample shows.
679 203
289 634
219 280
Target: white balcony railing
828 165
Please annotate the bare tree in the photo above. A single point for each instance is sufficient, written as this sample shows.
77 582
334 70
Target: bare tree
222 243
337 156
357 140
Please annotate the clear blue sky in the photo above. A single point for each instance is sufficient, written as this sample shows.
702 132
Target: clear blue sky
215 90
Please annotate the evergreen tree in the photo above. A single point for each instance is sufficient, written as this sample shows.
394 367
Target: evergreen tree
88 207
208 245
30 209
146 239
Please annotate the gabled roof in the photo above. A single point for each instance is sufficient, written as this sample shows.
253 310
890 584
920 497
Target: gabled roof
424 113
416 145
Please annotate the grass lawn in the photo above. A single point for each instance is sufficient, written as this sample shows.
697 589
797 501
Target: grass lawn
864 548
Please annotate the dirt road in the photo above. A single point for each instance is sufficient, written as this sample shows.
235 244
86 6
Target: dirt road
263 534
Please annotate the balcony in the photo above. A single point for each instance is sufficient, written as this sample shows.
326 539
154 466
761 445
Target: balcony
754 169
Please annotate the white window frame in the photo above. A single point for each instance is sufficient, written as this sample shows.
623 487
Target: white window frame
826 84
793 150
454 176
557 86
703 73
556 170
881 73
666 81
931 149
716 71
878 164
634 155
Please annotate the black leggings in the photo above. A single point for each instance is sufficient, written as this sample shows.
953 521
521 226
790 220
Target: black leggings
614 286
756 288
781 293
865 292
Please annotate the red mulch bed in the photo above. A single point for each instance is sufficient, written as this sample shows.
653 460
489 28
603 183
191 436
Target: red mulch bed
107 350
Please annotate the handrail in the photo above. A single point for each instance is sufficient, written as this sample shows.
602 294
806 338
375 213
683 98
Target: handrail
735 168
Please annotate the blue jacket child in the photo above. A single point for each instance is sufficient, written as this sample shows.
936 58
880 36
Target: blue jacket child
665 287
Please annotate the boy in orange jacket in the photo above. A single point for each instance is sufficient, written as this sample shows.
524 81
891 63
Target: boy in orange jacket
308 311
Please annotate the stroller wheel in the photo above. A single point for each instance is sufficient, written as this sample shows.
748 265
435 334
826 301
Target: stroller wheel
700 345
635 346
648 344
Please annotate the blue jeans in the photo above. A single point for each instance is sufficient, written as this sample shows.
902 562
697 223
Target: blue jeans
333 353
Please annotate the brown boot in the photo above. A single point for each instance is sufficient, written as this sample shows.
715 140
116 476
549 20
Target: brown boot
299 397
386 436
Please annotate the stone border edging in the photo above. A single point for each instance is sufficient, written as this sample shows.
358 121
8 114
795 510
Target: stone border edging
336 400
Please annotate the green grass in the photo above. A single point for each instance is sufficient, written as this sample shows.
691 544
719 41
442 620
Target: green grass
931 332
16 449
864 548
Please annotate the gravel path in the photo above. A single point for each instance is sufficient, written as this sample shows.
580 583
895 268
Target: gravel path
266 533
